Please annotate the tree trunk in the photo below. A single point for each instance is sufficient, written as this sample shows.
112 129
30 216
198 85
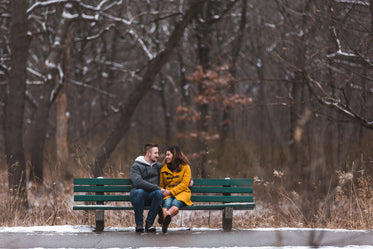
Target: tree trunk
162 93
129 107
62 148
185 92
204 30
19 45
166 113
297 145
233 70
48 95
38 137
294 114
371 17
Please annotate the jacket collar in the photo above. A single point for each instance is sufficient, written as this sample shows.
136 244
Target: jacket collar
142 160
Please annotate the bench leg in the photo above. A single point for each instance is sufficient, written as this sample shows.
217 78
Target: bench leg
100 220
227 219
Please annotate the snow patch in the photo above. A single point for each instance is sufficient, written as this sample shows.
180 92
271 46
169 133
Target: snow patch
56 229
88 229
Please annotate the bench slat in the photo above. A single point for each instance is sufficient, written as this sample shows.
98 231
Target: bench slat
195 198
221 198
102 188
236 206
102 181
200 189
195 189
101 198
103 207
231 182
126 181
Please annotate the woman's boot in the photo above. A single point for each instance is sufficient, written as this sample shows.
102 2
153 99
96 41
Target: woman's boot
167 218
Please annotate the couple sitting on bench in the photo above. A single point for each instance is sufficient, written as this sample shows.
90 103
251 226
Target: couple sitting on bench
164 187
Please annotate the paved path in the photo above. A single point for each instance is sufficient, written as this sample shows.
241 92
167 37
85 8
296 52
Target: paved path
185 238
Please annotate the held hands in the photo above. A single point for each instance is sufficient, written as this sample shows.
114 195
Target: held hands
166 192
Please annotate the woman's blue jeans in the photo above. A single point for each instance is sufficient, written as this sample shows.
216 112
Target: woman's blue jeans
141 198
171 201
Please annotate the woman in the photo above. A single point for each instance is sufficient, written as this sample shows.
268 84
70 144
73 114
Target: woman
175 177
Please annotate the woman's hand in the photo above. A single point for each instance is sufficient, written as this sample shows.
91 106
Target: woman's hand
191 183
166 192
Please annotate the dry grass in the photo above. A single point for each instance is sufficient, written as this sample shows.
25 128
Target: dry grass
348 205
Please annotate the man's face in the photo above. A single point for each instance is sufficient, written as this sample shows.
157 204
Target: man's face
153 154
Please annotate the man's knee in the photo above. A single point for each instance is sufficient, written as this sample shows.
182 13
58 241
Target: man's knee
137 196
138 192
158 194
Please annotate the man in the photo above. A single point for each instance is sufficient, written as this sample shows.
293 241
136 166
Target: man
145 187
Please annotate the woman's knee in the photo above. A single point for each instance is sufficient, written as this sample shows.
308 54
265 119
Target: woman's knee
167 203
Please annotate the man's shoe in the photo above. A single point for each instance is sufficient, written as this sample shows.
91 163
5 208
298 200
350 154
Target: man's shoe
150 229
139 229
166 222
160 215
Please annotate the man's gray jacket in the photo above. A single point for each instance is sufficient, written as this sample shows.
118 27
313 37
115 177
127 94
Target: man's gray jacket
145 175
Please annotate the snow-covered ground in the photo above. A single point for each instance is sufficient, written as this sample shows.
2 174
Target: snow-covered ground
267 247
88 229
85 229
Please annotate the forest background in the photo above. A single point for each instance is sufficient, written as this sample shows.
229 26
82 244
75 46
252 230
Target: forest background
280 91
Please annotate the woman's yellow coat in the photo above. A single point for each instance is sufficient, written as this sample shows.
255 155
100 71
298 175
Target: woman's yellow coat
177 183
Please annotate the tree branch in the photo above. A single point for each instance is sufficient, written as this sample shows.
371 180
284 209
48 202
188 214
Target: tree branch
323 98
335 104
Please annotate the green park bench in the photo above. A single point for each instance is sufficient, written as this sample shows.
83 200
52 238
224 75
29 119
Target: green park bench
100 194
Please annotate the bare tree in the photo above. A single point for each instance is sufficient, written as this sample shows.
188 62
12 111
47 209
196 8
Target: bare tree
152 69
212 12
19 45
53 80
62 115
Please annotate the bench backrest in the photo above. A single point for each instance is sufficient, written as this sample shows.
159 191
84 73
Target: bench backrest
203 190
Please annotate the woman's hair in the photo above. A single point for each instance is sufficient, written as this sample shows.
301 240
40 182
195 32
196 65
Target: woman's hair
178 158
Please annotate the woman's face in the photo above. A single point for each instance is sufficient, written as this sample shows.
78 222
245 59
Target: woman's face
169 156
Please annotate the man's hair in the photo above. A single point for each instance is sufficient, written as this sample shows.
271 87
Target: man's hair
148 147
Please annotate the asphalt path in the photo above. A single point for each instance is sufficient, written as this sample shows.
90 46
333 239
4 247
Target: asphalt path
186 238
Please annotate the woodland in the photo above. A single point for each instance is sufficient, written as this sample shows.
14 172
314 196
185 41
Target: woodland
247 89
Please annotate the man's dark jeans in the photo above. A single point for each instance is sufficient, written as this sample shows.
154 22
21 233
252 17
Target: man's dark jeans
141 198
